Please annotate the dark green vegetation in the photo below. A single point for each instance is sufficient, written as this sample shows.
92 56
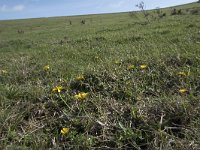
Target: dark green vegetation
126 108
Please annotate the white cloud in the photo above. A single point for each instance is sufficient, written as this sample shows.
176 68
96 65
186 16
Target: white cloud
16 8
117 5
120 3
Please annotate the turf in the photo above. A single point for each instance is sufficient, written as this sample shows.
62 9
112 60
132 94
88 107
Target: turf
112 81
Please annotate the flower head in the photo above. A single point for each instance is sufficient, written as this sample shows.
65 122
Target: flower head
131 67
182 74
57 89
183 91
118 62
143 66
46 68
81 96
3 71
80 77
64 131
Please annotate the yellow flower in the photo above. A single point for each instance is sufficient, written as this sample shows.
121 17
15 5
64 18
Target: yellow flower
57 89
143 66
4 71
118 62
131 67
81 96
183 74
183 91
64 131
80 77
46 68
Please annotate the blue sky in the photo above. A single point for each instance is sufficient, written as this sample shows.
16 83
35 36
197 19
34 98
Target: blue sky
18 9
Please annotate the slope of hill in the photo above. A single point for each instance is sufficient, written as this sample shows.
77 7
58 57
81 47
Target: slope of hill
115 81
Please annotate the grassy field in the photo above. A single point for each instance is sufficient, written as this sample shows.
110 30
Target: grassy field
113 81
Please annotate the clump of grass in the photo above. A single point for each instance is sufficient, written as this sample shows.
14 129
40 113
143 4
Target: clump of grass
176 12
194 11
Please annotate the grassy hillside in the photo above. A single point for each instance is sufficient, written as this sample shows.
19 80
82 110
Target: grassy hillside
114 81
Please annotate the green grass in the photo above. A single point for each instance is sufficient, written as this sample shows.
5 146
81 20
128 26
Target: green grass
126 108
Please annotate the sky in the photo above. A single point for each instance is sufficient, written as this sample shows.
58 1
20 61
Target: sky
21 9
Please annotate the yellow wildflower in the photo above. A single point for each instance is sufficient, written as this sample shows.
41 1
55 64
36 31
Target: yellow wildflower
131 67
57 89
46 68
64 131
81 96
4 71
183 91
80 77
143 66
183 74
118 62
